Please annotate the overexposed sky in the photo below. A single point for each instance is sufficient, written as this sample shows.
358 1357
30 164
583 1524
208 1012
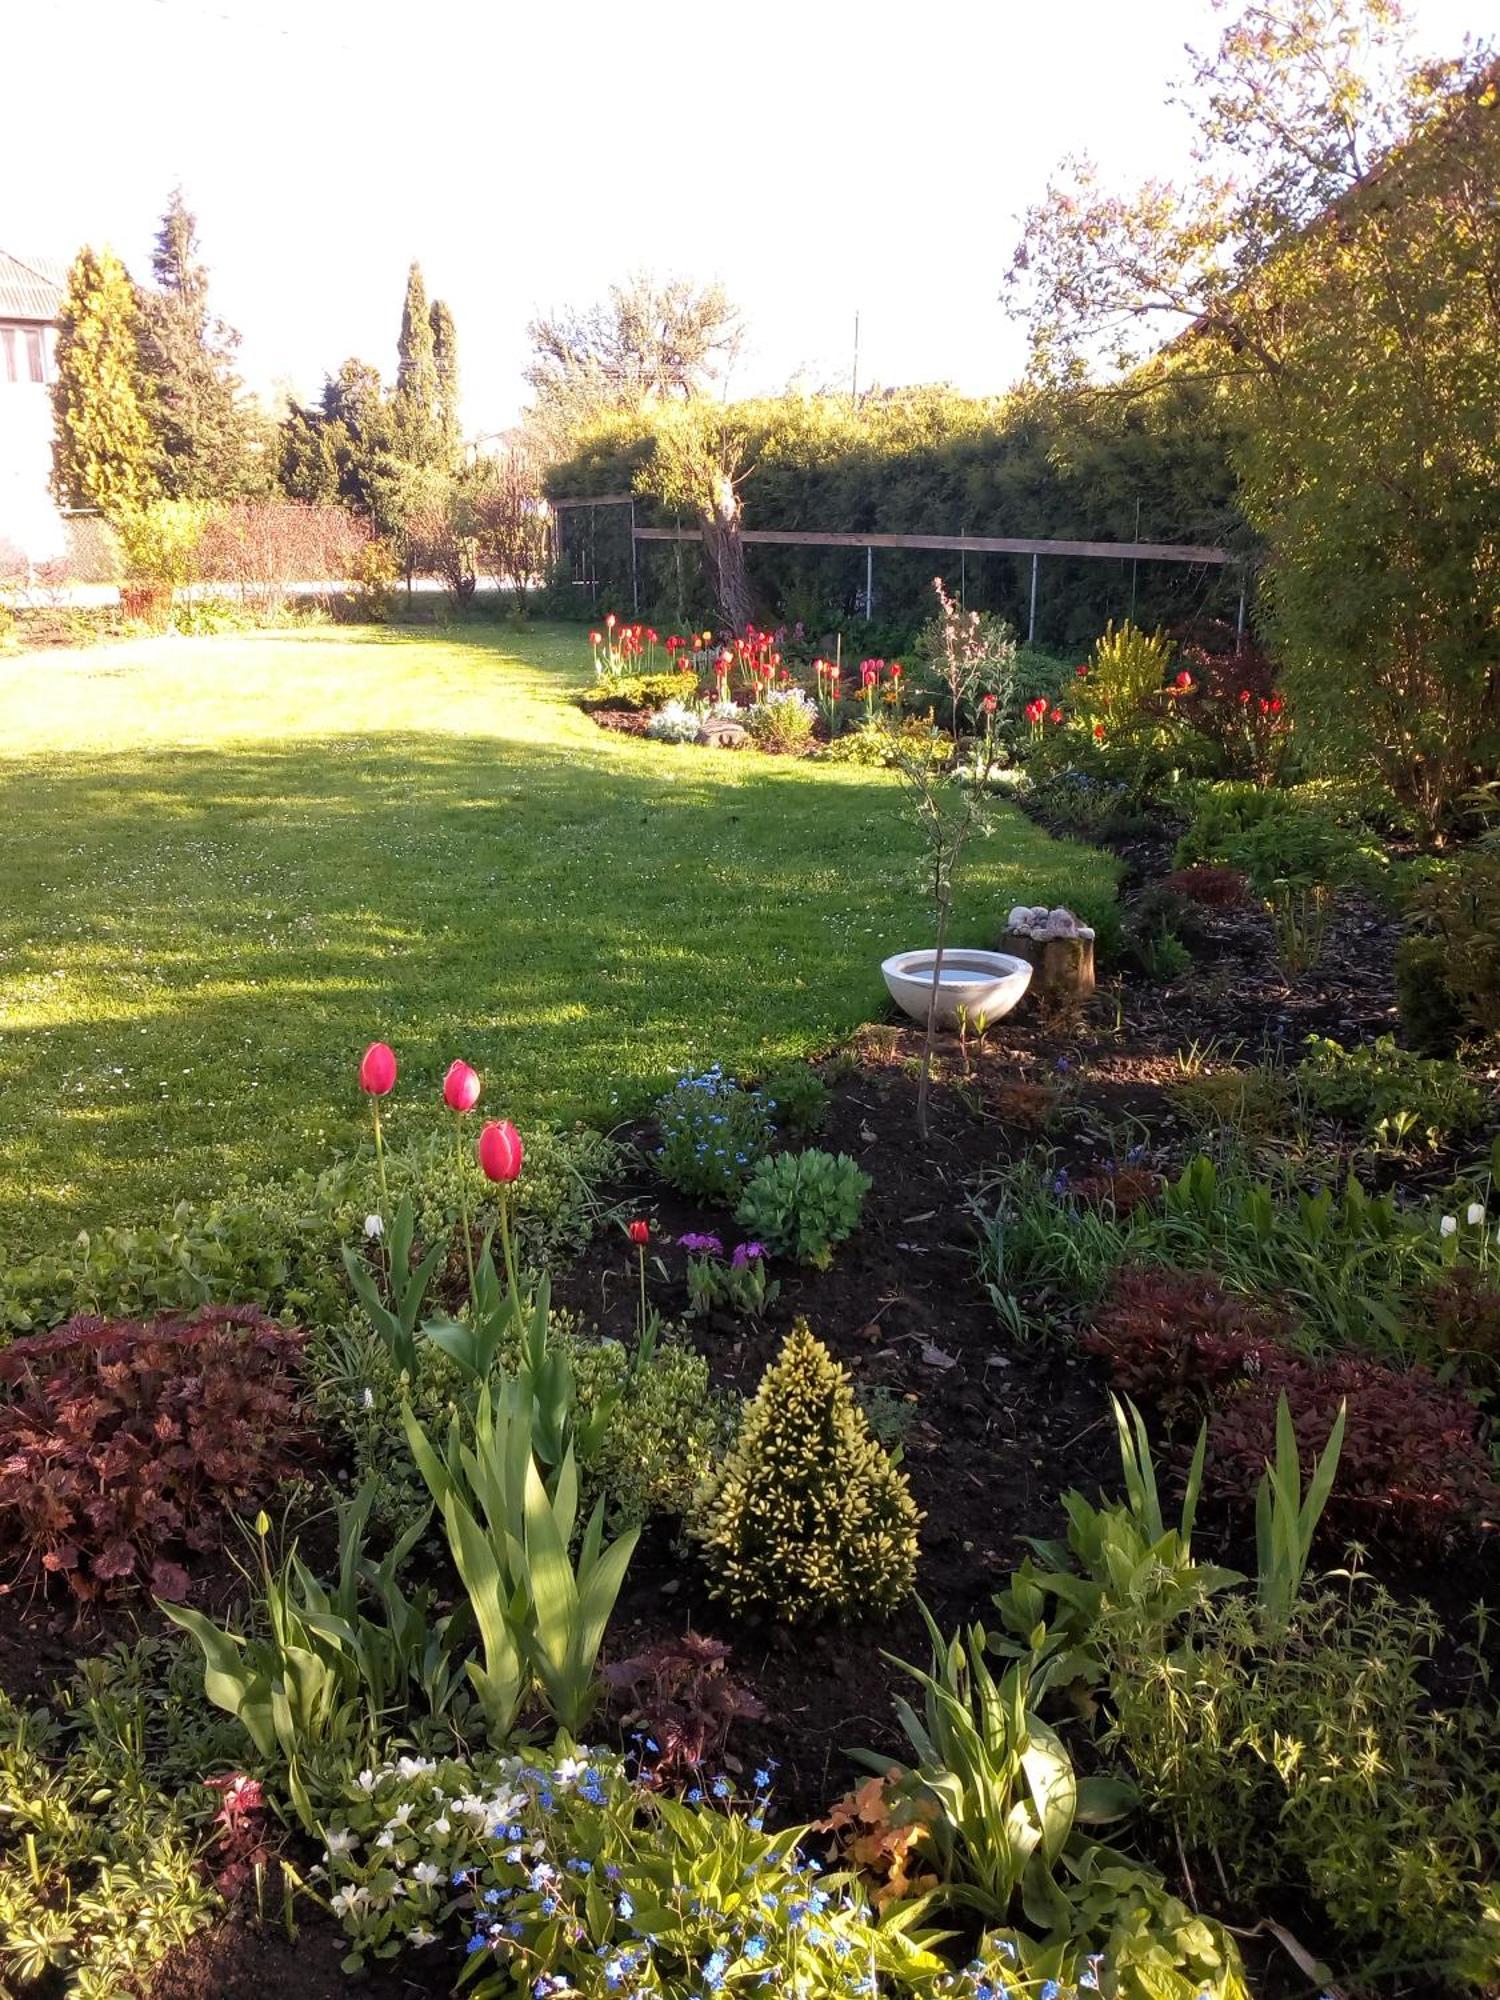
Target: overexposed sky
817 156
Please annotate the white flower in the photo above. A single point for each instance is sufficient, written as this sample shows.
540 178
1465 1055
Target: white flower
341 1841
369 1399
569 1769
414 1767
399 1817
385 1839
1476 1214
1448 1226
374 1228
441 1827
367 1781
420 1935
427 1873
356 1897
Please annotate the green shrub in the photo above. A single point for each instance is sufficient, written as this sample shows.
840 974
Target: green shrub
807 1516
101 1864
1320 1762
802 1204
1431 1019
1378 1085
796 1102
665 1421
782 721
651 691
882 744
710 1134
1459 912
1275 838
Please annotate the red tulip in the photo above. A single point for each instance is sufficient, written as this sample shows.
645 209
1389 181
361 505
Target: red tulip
1276 704
989 704
639 1232
1099 731
500 1151
594 638
461 1087
1057 715
1184 680
610 621
377 1070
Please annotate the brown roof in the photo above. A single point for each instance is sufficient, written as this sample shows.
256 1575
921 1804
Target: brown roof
30 287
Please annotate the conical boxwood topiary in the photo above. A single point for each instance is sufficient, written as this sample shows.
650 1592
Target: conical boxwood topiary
807 1515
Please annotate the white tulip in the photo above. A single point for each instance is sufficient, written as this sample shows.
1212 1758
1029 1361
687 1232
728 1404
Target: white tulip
1448 1226
1476 1214
374 1228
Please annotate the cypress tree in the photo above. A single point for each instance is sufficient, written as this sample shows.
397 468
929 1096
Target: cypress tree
416 374
445 367
104 449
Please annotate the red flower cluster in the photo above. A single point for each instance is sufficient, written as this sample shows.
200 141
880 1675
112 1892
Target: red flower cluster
499 1149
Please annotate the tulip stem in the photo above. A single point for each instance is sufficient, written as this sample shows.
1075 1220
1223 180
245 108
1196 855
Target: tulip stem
463 1203
385 1197
641 1330
510 1262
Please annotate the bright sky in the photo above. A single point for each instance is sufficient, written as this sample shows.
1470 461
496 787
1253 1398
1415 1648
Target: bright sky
817 156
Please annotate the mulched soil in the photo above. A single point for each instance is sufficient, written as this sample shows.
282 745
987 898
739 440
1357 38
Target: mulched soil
997 1431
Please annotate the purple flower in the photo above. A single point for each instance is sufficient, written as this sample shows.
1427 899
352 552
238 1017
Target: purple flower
743 1254
702 1245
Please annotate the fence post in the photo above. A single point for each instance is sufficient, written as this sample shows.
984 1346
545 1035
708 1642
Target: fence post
1031 622
869 583
1239 623
635 581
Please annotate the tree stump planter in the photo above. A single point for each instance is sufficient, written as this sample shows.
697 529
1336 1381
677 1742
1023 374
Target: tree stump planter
1062 967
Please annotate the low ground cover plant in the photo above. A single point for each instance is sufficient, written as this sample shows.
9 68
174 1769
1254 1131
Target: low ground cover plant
804 1205
126 1448
807 1516
1386 1811
1386 1090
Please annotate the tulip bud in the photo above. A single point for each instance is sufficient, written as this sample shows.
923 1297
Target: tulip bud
377 1070
461 1087
500 1151
639 1232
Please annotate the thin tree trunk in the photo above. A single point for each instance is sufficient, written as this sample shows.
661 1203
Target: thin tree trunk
924 1082
724 553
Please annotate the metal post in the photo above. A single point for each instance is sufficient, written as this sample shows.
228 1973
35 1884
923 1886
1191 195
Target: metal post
1134 562
869 583
1239 623
963 580
635 581
1031 624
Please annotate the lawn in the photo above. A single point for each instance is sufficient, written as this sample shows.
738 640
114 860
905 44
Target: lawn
230 863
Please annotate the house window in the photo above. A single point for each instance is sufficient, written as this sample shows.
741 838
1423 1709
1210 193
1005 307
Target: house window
7 354
36 355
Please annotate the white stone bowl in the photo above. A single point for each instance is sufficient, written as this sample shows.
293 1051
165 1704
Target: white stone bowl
985 984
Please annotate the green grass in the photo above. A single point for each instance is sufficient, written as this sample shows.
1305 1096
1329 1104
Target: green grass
229 863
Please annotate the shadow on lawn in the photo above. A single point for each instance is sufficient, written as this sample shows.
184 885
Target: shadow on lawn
577 921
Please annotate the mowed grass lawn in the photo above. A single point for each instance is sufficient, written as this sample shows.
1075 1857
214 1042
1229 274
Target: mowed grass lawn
230 863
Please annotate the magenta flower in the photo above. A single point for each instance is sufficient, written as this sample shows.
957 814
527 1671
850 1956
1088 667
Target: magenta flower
702 1245
744 1252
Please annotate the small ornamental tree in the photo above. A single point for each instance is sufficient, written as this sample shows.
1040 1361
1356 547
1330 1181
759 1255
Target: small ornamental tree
104 449
808 1515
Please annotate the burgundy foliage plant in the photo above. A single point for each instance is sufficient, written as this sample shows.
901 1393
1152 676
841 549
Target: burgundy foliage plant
126 1446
